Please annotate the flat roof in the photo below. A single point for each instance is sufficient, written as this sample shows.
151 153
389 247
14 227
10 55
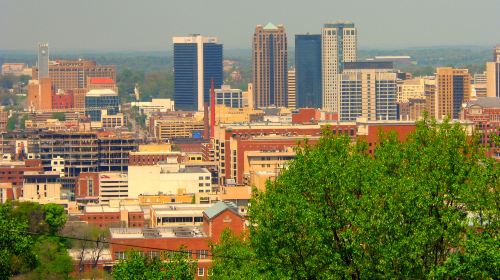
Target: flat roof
159 232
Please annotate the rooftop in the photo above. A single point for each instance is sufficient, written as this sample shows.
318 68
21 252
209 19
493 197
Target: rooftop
101 92
220 207
101 80
487 102
160 232
270 26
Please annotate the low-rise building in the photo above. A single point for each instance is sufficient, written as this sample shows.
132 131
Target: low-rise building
131 216
177 215
194 240
168 177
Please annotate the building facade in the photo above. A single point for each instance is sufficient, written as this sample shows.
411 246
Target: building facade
197 61
493 74
368 90
269 66
229 97
74 74
97 100
292 89
453 87
339 45
308 71
43 61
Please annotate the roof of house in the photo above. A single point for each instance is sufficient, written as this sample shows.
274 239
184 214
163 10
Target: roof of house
487 102
220 207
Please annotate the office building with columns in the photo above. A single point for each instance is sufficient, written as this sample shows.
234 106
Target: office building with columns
339 45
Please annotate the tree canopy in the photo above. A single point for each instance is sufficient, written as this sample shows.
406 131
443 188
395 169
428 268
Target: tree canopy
26 247
424 208
172 266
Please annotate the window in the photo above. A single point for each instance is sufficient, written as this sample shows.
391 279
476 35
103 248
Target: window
120 255
201 254
201 271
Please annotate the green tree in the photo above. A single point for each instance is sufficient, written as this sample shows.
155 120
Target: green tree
12 122
426 207
22 124
54 261
55 217
16 254
170 266
233 258
59 116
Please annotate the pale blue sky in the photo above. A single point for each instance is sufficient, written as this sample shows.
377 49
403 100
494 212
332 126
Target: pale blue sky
150 24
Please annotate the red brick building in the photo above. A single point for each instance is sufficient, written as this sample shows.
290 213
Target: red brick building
105 216
87 187
485 115
62 100
194 240
312 116
232 141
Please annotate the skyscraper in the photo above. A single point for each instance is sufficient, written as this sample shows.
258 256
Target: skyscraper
339 44
292 89
197 60
453 87
369 90
493 74
43 61
308 70
269 65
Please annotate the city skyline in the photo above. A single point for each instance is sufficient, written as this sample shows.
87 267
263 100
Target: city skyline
400 28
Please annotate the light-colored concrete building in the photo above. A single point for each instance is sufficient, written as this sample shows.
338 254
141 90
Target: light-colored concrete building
453 88
411 89
339 44
168 177
368 90
179 215
41 186
112 186
493 74
155 105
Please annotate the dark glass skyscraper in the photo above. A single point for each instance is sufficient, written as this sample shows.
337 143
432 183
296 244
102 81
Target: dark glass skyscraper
308 71
197 60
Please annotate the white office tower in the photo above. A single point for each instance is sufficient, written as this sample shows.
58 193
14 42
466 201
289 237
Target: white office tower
339 44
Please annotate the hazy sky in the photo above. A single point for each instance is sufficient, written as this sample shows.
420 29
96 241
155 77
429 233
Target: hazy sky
150 24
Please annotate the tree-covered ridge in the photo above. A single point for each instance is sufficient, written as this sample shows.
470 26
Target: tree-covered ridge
425 208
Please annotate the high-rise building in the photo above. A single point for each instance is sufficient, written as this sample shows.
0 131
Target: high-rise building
339 45
269 65
493 75
43 61
75 74
368 90
453 87
197 61
292 95
308 70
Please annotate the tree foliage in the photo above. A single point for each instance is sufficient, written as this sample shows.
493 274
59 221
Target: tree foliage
424 208
24 247
59 116
172 266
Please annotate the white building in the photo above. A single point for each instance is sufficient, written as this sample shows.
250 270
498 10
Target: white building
112 185
339 44
168 177
155 105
